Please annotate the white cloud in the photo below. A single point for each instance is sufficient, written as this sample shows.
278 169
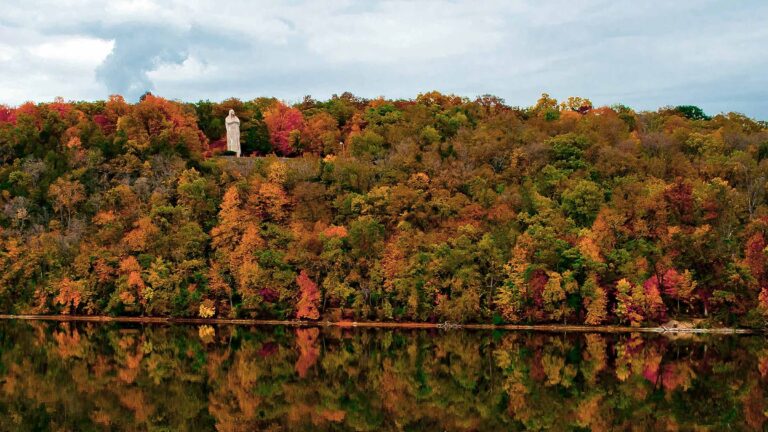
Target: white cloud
81 51
7 52
404 31
190 69
648 54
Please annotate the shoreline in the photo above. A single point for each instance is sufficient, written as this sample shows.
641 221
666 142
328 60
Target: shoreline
555 328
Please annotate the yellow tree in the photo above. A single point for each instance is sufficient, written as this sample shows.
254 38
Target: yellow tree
231 218
66 194
554 297
510 298
595 301
70 294
234 241
630 302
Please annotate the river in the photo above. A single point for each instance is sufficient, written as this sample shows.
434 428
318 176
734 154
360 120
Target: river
110 376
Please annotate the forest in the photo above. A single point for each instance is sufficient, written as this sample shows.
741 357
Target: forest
434 209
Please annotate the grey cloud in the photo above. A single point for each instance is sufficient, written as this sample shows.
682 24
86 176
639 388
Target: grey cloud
138 50
646 54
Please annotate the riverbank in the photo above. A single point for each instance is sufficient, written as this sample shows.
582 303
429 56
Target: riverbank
558 328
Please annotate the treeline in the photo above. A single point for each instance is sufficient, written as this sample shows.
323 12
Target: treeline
439 208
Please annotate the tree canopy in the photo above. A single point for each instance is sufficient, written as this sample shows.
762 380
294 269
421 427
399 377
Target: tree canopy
439 208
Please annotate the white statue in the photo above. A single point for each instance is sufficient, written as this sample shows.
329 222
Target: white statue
233 132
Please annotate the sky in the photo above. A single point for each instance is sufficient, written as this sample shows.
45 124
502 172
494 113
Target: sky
644 54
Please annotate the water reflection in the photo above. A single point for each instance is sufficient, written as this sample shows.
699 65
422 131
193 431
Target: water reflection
108 377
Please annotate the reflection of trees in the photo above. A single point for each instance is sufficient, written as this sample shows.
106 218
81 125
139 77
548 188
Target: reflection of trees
93 377
306 339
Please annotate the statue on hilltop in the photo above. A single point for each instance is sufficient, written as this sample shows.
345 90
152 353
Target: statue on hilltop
233 132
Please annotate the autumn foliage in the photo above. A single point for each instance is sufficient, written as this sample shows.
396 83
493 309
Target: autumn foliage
439 208
309 297
89 376
284 125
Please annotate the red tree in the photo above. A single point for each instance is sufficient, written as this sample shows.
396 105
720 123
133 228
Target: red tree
755 257
7 115
310 297
281 121
679 195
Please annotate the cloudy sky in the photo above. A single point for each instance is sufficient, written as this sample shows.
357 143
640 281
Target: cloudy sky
645 54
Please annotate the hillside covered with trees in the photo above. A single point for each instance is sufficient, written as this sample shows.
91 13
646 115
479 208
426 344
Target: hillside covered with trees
435 209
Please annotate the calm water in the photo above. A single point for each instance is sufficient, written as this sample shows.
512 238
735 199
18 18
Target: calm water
115 377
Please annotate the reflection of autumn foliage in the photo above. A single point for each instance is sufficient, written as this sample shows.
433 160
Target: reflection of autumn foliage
306 339
133 354
394 390
207 334
754 401
69 342
134 399
677 375
595 357
304 414
234 402
589 414
165 377
762 362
